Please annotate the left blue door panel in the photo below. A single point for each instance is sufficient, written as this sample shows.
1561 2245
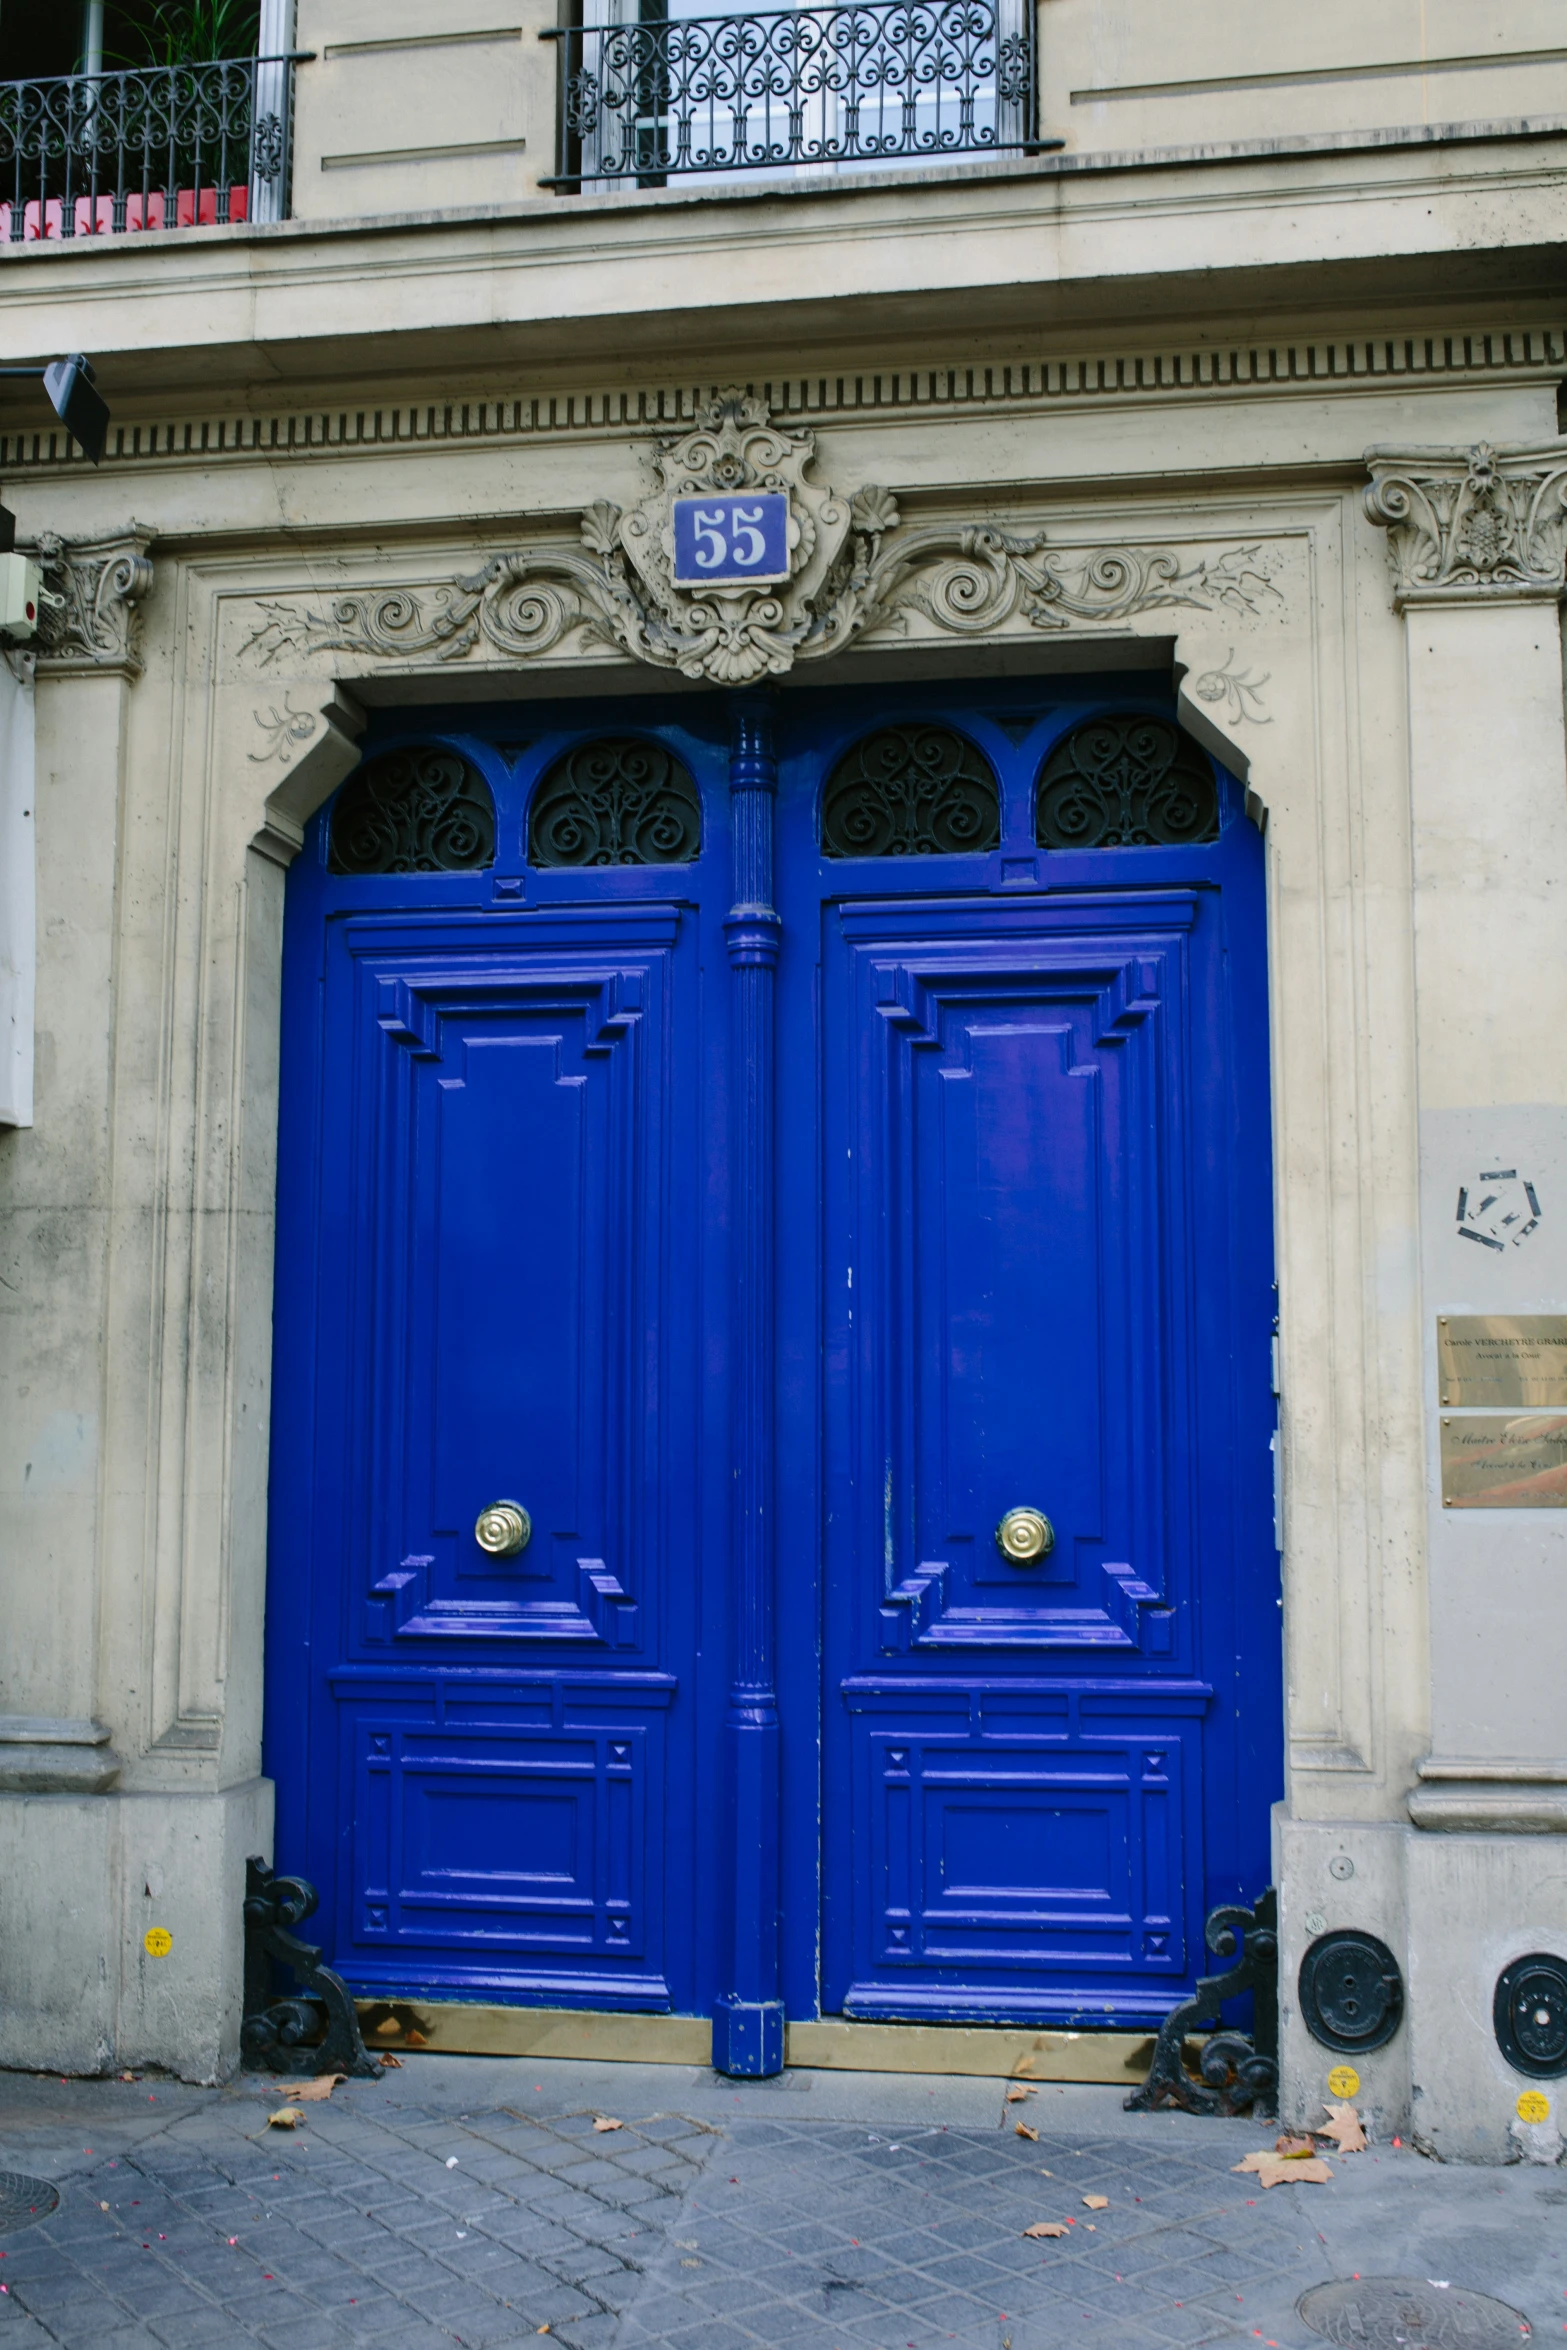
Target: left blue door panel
504 1114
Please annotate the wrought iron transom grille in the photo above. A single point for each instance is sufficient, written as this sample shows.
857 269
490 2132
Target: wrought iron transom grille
424 809
618 801
775 88
1126 780
910 791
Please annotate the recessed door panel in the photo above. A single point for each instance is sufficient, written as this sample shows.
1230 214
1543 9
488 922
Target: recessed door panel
511 1277
1012 1309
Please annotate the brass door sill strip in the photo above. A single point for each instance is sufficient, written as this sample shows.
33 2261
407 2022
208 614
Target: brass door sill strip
583 2035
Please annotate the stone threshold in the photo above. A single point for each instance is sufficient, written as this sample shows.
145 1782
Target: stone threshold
834 2044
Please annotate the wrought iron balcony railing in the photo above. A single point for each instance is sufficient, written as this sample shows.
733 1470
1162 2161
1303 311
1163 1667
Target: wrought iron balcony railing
787 88
168 146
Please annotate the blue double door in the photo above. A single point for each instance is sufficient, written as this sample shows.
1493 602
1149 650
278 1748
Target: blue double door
771 1501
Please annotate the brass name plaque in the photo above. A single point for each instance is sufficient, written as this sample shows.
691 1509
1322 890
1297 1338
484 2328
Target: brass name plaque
1492 1463
1503 1359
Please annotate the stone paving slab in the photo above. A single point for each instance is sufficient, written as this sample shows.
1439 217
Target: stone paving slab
471 2201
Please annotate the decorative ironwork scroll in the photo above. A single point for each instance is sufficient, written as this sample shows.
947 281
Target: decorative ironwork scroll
909 791
1239 2071
316 2029
854 568
619 801
163 146
871 82
1126 781
419 810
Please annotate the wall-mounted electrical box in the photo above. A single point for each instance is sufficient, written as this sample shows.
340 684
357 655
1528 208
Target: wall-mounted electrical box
21 595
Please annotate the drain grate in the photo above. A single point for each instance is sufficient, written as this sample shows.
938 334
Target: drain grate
1408 2313
22 2200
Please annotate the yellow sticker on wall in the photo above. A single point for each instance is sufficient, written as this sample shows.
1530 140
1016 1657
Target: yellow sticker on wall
1344 2081
1532 2107
157 1941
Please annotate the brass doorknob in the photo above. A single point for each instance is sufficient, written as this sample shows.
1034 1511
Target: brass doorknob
1025 1535
503 1529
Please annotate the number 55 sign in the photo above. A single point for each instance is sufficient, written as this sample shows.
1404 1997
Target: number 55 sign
732 541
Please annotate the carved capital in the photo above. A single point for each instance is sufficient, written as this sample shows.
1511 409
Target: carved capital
90 621
1468 523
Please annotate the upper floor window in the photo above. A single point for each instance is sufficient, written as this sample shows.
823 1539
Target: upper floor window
778 87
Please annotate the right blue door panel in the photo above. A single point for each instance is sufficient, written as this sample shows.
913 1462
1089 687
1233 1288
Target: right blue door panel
1016 1331
1046 1246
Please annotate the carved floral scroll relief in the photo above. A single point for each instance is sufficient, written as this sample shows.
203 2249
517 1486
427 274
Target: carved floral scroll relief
855 568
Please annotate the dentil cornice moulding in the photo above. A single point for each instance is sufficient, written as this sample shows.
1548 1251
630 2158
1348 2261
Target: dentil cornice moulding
1468 523
329 427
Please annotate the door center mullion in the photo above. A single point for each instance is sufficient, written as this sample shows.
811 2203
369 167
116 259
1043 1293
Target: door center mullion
748 2018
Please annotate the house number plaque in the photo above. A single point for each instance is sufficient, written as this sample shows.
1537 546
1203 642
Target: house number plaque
1509 1360
1491 1462
731 541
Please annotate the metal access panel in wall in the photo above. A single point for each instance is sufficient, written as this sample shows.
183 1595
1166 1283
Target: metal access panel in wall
771 1490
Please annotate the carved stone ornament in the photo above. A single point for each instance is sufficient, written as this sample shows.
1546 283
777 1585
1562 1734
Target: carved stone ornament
853 568
90 618
1462 523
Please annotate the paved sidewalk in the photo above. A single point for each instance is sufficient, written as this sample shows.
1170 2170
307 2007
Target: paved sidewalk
471 2201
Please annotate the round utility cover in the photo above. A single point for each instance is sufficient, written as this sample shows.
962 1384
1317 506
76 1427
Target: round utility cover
1351 1992
22 2200
1409 2313
1530 2015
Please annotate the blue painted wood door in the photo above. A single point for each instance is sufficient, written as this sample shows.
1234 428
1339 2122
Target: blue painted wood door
491 1288
1022 1258
1046 1256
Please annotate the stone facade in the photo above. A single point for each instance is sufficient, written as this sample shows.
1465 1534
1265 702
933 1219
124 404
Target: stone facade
1261 386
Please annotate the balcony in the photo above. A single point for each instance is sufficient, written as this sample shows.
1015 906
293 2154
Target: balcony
799 89
792 89
163 147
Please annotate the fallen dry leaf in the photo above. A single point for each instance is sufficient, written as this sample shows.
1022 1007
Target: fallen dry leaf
1097 2202
607 2121
392 2064
415 2039
1024 2131
287 2117
1047 2227
387 2029
312 2092
103 2207
1291 2146
1283 2170
1024 2064
1343 2127
1014 2095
